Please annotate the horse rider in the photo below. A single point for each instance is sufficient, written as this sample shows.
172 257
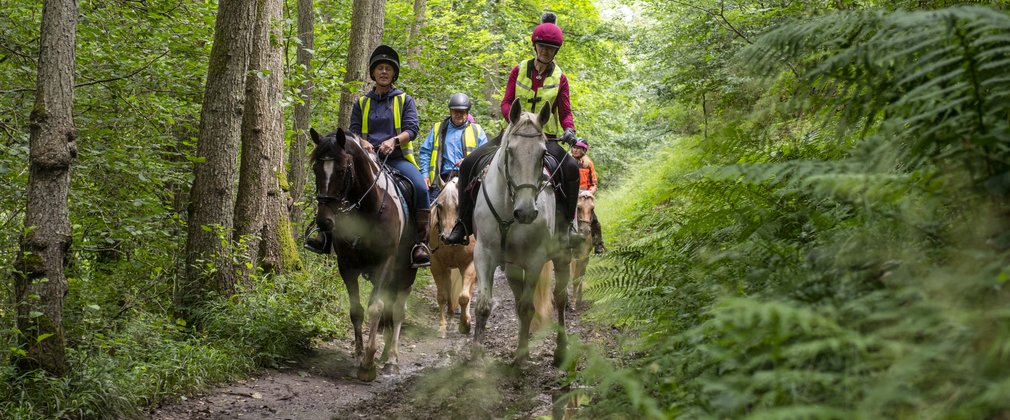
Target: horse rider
386 120
534 82
589 181
448 142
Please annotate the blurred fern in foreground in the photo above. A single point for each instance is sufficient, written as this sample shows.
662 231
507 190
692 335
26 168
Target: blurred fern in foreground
855 267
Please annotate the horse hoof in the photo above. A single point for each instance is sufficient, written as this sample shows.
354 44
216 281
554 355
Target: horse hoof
391 369
441 334
367 374
464 328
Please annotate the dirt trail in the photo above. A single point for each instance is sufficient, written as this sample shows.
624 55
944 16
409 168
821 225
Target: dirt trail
439 378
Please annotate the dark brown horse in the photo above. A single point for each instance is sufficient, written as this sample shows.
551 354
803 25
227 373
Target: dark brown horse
363 212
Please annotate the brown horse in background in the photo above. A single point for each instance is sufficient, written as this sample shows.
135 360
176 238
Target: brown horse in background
451 265
580 256
363 212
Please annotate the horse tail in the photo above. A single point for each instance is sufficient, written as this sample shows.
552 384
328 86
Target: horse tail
543 298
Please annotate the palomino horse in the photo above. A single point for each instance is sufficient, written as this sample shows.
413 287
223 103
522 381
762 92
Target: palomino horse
446 258
364 213
516 227
580 256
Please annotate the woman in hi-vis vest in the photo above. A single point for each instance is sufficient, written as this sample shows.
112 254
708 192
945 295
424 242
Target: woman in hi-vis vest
534 82
386 120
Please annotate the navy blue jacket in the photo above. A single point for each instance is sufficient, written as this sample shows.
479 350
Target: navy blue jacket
380 118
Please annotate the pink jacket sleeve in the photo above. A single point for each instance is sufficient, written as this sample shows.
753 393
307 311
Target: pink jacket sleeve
510 93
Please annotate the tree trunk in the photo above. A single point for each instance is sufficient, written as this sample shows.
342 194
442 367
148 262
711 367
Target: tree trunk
367 23
378 18
299 157
276 232
259 125
415 34
40 282
208 250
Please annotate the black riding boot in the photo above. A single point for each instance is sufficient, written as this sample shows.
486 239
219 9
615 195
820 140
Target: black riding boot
320 244
420 256
597 235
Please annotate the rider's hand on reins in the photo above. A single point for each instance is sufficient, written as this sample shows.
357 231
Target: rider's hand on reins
387 146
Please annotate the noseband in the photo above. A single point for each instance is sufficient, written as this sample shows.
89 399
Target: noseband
344 205
513 188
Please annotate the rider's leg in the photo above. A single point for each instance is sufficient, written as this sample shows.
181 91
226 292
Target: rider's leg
597 235
420 256
467 171
567 197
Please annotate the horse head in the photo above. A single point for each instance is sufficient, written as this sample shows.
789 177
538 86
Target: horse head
445 209
524 146
584 213
337 181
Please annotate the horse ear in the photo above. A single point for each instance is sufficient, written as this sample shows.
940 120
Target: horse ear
516 111
341 137
545 114
315 135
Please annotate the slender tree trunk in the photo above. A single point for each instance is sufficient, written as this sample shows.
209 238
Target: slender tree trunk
40 282
299 157
357 58
262 111
277 251
378 26
415 33
211 215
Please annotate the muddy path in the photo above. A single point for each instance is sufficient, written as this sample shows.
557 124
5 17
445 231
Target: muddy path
439 378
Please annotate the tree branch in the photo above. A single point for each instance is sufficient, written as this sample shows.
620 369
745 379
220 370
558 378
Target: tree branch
134 73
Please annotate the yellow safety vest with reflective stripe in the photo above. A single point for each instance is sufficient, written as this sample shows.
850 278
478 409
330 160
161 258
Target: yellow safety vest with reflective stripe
469 143
532 101
407 147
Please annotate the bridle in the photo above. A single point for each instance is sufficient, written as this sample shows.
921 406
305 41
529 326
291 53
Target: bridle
344 204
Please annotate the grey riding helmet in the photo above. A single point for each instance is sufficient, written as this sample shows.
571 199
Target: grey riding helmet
459 101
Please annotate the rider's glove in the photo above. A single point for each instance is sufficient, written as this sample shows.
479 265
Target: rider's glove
568 137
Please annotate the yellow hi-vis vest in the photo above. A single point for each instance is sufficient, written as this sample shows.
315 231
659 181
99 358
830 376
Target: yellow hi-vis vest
407 147
532 101
469 143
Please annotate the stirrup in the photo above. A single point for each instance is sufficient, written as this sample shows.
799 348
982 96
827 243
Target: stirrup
318 244
418 262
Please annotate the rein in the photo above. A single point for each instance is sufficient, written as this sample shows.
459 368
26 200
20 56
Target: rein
505 225
345 207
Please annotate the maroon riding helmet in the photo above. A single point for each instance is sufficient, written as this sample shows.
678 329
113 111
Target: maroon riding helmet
547 32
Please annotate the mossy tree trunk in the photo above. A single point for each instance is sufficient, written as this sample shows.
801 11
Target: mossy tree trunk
40 282
298 157
212 205
261 123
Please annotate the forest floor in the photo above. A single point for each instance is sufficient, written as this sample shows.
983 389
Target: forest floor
439 378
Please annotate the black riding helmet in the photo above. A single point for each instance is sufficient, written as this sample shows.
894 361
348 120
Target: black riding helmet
459 101
384 53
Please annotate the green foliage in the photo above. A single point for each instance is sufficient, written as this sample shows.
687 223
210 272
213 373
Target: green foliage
839 251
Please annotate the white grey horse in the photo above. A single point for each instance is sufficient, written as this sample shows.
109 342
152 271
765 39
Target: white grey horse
517 227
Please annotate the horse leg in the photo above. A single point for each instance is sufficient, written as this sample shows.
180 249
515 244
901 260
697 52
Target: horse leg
485 283
561 275
469 285
443 282
393 339
366 370
357 312
524 308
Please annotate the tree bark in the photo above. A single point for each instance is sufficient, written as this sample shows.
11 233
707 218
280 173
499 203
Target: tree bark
415 34
299 156
40 281
367 22
378 26
260 123
211 215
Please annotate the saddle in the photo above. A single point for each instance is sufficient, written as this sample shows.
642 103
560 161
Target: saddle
405 188
551 165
